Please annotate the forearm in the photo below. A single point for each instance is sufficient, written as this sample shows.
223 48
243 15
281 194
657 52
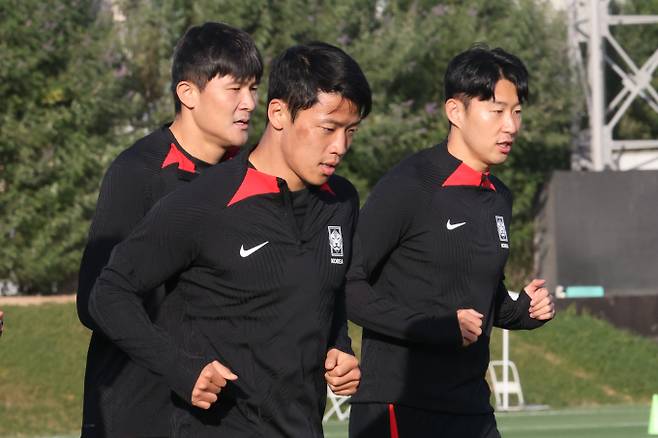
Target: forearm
117 310
339 337
514 314
138 265
370 310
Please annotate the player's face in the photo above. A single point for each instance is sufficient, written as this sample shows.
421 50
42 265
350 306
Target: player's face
490 126
320 136
224 108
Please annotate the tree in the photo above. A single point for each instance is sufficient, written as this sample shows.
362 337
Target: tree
402 45
59 116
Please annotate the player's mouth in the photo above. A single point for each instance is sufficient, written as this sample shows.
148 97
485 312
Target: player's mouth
504 146
328 169
242 123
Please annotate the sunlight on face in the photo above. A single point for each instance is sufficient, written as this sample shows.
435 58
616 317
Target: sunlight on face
490 126
320 136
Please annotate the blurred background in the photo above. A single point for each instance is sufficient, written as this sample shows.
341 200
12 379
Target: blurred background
80 80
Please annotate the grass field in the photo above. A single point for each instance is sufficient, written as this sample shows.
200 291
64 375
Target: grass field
579 360
599 422
42 354
575 361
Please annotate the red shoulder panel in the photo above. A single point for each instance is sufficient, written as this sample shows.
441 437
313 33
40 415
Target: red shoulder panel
177 157
254 183
466 176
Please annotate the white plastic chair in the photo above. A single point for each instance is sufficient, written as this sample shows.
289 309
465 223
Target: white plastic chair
511 387
336 407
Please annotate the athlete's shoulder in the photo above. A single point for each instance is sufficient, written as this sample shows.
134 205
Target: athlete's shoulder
152 148
146 154
416 171
218 184
501 188
340 187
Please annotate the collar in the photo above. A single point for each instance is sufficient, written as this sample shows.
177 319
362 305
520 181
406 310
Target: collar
460 174
257 183
185 161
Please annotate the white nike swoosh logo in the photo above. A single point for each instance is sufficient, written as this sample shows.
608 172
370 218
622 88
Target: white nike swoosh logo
250 251
453 226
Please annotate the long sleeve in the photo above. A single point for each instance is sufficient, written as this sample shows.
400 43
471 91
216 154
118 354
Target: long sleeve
384 224
339 337
120 207
513 315
166 242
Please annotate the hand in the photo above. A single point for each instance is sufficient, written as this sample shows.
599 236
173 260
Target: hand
212 379
542 306
470 324
343 374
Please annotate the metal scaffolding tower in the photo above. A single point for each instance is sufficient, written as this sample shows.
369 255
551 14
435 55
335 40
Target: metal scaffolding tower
590 24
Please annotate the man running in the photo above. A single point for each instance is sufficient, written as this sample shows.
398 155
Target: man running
260 245
427 277
214 78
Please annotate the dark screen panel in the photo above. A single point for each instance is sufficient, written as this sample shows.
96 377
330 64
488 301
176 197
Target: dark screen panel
600 228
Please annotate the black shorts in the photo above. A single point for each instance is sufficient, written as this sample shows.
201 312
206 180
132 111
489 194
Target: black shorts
381 420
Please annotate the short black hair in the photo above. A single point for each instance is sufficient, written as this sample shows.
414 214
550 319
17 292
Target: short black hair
475 72
214 49
302 71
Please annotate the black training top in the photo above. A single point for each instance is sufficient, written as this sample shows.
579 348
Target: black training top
432 238
142 174
262 295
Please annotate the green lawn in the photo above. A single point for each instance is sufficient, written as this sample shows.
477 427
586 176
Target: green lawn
578 360
594 422
624 421
42 354
574 361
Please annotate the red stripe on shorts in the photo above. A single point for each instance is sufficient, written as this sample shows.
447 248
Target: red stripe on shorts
393 421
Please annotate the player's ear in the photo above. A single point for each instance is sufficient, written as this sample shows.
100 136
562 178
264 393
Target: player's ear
277 114
188 94
455 111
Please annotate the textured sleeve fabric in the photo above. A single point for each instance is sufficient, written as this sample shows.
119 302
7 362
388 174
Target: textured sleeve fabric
120 207
339 331
508 313
511 314
384 222
340 338
165 243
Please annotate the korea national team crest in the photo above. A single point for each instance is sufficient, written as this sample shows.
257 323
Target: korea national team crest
502 232
336 244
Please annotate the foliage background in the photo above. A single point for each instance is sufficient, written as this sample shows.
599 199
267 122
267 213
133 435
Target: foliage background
82 79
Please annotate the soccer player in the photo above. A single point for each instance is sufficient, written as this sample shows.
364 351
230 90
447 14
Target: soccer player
2 322
261 245
215 73
429 253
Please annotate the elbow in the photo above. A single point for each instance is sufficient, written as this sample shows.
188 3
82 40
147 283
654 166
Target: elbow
92 315
82 307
